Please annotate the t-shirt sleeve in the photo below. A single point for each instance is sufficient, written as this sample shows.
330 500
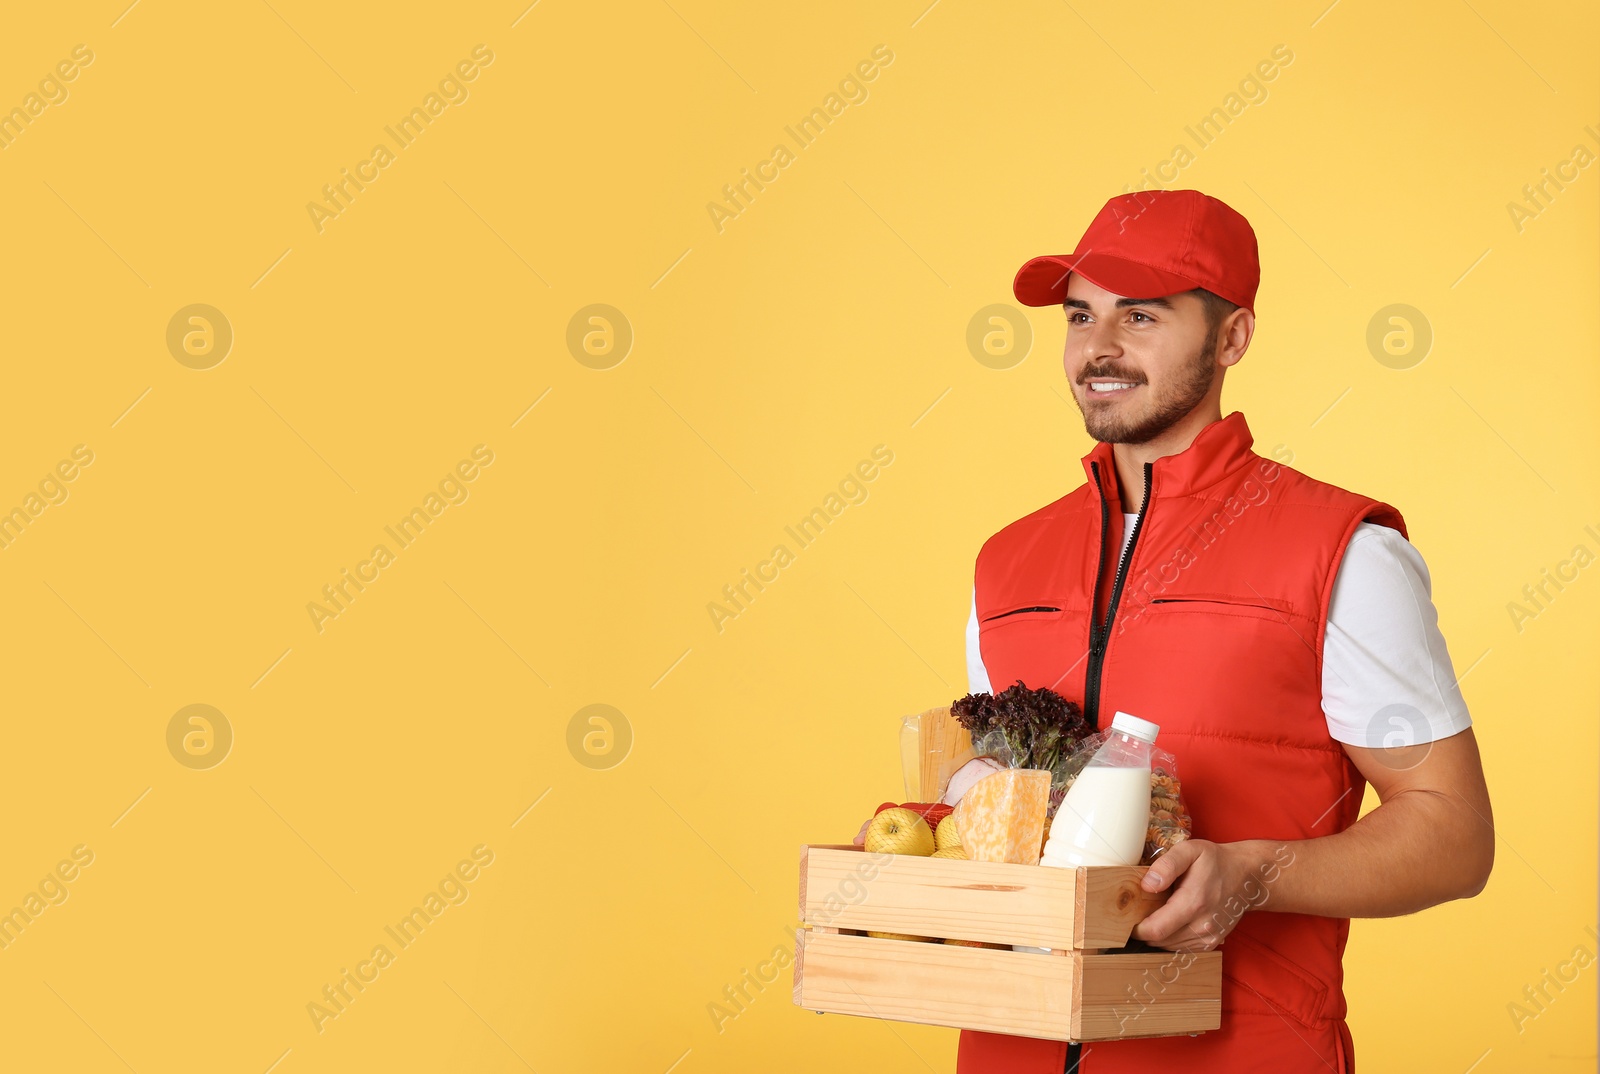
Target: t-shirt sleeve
977 674
1387 677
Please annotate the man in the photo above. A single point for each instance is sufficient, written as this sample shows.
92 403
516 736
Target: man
1279 629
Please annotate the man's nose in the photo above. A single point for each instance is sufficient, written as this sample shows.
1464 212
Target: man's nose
1097 342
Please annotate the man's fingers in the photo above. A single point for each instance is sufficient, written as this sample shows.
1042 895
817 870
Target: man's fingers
1170 866
1165 923
1151 930
1193 918
1198 934
1182 937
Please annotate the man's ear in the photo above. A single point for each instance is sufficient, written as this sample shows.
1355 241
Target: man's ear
1233 336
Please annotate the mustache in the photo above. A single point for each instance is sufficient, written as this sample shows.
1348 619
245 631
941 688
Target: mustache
1111 373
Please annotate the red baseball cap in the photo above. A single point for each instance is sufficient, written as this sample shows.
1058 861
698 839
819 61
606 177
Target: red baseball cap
1150 244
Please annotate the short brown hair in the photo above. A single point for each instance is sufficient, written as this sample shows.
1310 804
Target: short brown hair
1216 306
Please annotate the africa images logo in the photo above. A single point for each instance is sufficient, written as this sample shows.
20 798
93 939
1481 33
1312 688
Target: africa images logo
339 595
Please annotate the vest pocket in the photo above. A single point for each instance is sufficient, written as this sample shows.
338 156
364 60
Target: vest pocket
1026 639
1199 602
1285 985
1032 611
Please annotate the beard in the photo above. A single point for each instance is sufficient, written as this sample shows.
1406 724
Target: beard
1190 384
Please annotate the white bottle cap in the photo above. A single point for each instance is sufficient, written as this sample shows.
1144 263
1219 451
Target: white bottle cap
1131 724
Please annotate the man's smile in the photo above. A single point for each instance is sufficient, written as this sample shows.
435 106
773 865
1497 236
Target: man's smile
1108 386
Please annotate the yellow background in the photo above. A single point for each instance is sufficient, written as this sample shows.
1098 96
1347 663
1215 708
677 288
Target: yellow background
768 359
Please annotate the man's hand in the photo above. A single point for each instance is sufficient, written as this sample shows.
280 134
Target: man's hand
1217 884
1430 839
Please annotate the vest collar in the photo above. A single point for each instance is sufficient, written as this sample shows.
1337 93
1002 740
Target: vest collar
1216 451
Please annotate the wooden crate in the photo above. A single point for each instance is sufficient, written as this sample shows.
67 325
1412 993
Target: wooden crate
1078 992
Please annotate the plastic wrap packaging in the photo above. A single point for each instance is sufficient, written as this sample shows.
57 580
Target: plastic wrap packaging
1170 823
933 747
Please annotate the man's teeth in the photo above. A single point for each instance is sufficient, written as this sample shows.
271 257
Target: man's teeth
1109 387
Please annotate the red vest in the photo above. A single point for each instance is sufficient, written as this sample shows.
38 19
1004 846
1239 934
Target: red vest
1216 635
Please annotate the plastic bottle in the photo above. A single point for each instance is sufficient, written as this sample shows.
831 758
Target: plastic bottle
1102 819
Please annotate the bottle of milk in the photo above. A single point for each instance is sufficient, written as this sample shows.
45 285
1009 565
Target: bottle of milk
1102 819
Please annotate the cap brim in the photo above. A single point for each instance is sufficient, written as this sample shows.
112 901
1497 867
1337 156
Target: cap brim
1043 280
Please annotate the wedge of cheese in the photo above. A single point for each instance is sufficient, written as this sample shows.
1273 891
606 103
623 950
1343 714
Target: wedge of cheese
1001 817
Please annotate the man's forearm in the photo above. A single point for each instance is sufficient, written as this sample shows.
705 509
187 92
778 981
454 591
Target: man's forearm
1414 851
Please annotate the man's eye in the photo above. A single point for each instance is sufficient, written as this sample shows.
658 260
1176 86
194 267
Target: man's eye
1141 313
1073 316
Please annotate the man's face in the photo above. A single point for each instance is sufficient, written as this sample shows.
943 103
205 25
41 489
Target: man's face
1136 365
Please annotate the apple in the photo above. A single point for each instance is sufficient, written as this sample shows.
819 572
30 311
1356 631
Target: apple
947 835
899 831
902 936
950 852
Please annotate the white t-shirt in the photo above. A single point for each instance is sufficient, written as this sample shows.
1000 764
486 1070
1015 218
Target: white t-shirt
1382 647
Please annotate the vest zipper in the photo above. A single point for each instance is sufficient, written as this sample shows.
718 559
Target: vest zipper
1100 635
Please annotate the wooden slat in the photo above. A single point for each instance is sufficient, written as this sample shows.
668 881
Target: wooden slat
1110 902
937 984
1148 994
994 902
1080 997
805 876
966 900
799 966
